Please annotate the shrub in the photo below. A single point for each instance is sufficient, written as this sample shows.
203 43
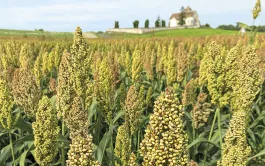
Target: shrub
163 23
136 24
116 24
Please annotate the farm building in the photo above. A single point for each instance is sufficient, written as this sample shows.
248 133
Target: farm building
191 18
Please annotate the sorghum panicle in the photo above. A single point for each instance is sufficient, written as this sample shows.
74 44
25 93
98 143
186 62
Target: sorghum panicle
7 120
165 141
26 91
45 131
235 150
81 152
123 145
201 111
64 90
136 65
105 90
189 95
79 70
133 108
132 160
77 121
256 10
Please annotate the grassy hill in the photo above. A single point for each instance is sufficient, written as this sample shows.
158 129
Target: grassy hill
28 33
175 33
5 33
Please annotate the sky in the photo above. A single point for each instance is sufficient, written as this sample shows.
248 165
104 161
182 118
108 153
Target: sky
99 15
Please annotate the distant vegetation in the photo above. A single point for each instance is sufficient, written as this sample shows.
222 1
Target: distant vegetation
229 27
40 30
176 33
136 24
116 24
38 33
260 28
146 24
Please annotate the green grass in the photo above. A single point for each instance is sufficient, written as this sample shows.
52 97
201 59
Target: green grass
177 32
28 33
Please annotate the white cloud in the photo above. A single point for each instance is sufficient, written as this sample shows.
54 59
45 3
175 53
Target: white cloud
101 14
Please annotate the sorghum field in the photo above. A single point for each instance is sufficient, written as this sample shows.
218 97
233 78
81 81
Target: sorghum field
186 101
157 101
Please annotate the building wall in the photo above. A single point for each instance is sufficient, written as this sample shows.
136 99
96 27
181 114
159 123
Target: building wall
173 22
145 30
189 21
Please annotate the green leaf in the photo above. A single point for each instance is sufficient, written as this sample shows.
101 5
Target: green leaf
256 121
24 154
24 126
104 144
261 153
119 114
5 154
200 140
61 138
92 109
53 101
147 83
243 25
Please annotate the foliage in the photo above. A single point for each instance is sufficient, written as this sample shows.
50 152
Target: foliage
158 22
133 102
163 23
229 27
182 17
146 24
136 24
116 24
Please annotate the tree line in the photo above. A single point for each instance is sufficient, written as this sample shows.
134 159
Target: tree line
158 23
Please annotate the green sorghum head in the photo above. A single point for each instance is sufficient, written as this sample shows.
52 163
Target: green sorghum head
81 152
45 130
123 145
7 119
25 90
165 141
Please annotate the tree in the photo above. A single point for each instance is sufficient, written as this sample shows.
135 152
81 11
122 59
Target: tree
158 22
136 24
163 23
116 24
146 24
182 16
207 25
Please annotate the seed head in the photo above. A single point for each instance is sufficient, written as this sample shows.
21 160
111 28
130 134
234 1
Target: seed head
45 131
165 142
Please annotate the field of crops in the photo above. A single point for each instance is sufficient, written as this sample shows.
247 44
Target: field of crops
6 33
183 101
177 33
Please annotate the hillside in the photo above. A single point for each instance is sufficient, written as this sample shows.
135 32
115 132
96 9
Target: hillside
7 33
174 33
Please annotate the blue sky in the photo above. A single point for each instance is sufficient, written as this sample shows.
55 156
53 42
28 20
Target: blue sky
95 15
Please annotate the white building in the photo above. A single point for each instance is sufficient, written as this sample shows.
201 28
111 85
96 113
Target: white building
242 31
191 18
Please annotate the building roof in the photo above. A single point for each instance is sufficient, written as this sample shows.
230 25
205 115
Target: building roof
186 14
188 9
